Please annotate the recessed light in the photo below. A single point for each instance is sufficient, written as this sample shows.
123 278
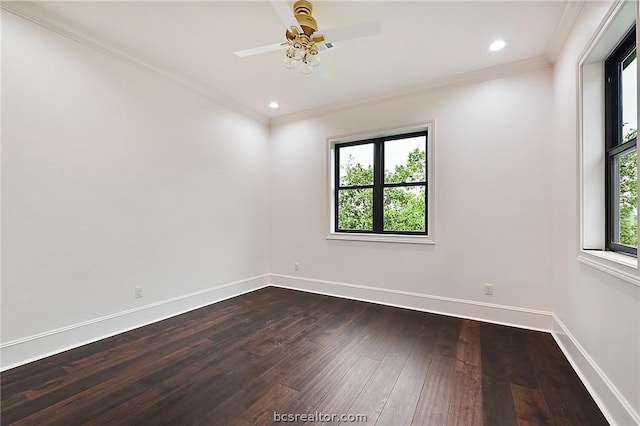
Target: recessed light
273 105
497 45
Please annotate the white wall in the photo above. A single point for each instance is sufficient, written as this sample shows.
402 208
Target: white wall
600 312
493 222
113 178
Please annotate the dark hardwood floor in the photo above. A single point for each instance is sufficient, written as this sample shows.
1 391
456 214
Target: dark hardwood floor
275 350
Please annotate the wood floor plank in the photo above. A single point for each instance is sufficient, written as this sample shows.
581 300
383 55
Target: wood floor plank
466 401
447 341
435 397
322 380
497 400
377 347
342 396
566 396
206 390
135 408
274 349
373 396
263 411
403 400
530 405
273 335
344 345
91 399
519 365
494 356
114 361
261 375
468 349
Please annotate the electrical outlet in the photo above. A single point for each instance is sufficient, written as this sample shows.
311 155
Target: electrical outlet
296 266
138 292
488 289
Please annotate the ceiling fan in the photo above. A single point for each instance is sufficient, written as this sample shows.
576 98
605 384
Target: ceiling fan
303 41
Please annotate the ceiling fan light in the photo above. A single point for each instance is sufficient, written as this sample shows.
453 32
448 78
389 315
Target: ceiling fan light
289 63
311 60
306 69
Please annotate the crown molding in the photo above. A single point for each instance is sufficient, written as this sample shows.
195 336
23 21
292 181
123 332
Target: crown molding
464 79
38 15
563 28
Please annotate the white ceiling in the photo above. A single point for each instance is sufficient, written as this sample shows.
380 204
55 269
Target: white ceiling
420 41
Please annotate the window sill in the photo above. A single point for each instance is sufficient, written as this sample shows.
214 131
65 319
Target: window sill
616 264
382 238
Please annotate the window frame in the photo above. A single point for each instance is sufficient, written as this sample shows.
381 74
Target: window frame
426 129
614 144
590 244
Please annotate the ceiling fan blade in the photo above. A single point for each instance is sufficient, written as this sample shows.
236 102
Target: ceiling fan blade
285 12
362 29
257 50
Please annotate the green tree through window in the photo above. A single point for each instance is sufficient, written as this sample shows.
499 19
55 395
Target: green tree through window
629 195
404 206
403 194
355 211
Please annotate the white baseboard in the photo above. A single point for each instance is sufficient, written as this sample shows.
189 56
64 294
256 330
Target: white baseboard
498 314
32 348
612 403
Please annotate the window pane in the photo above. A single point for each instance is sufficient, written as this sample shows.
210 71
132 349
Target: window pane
355 209
404 208
626 222
629 98
356 165
405 160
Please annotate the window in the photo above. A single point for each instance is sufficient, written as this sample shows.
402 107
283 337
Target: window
381 185
608 174
621 170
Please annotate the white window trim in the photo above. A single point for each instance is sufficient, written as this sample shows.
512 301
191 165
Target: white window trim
613 264
381 238
591 147
429 126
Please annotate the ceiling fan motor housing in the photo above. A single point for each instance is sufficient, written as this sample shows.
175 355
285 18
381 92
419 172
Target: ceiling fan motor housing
302 10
